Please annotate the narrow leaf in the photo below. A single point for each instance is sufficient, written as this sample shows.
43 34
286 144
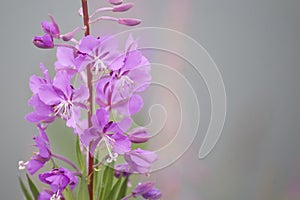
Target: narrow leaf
123 188
114 192
35 192
79 155
83 190
107 180
67 194
25 190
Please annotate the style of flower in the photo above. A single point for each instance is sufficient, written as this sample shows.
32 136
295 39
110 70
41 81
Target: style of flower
108 132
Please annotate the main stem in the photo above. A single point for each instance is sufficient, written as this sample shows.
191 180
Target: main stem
90 157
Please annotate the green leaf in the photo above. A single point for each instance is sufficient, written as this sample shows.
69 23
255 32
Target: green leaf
114 192
79 155
25 190
67 194
123 188
35 192
107 181
83 190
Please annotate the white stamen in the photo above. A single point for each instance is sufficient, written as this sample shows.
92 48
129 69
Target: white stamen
125 80
22 165
98 66
56 196
112 156
63 109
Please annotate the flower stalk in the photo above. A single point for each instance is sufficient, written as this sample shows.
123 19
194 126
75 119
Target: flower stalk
90 158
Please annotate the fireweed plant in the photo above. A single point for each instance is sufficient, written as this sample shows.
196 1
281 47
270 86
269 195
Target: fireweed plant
99 110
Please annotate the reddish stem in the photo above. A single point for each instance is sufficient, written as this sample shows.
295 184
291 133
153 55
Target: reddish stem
90 86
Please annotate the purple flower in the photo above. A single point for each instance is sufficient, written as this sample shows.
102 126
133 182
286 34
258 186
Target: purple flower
44 42
139 135
130 75
99 52
142 188
108 97
140 160
63 98
146 190
51 28
59 179
109 132
44 154
59 98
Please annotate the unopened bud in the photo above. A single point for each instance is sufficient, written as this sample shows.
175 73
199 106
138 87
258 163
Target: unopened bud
51 28
115 2
139 135
129 21
70 35
123 7
44 42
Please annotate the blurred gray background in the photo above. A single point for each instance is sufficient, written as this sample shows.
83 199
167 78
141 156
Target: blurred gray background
256 45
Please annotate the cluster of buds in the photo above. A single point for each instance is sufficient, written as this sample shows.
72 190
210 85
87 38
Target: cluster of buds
52 31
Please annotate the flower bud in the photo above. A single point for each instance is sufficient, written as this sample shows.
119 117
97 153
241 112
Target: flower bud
129 21
139 135
152 194
51 28
142 188
115 2
140 160
44 42
123 7
70 35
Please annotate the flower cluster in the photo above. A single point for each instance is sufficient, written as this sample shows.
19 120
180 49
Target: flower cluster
107 90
